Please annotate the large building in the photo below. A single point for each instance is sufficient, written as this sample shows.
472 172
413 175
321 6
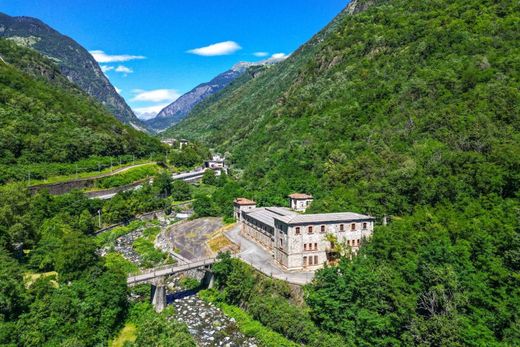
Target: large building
299 241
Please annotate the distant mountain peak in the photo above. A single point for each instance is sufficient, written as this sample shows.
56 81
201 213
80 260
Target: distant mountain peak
177 110
74 61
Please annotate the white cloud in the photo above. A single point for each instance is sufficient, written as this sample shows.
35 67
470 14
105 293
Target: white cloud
221 48
124 69
149 111
279 56
106 68
156 95
118 90
102 57
260 54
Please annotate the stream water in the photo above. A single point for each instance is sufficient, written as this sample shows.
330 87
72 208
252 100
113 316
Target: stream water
208 324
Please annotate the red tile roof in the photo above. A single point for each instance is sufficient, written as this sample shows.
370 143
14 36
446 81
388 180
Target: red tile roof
244 201
300 196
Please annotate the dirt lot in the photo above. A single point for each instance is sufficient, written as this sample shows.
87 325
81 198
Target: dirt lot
189 238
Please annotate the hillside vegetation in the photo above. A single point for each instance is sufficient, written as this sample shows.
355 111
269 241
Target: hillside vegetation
46 119
73 60
409 109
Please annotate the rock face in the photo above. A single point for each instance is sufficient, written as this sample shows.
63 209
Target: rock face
74 61
208 325
179 109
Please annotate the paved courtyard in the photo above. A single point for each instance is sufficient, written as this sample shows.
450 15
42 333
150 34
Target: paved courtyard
262 260
189 238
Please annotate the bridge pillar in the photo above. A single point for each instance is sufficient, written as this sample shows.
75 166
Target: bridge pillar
209 279
159 295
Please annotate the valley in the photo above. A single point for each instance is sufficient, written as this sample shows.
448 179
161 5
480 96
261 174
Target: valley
360 189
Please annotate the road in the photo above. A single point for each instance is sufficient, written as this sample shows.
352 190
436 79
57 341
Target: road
263 261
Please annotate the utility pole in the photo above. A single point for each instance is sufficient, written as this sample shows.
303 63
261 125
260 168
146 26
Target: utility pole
111 169
99 167
99 218
76 171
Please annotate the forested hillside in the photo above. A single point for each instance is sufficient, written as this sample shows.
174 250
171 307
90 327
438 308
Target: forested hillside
409 109
73 60
46 119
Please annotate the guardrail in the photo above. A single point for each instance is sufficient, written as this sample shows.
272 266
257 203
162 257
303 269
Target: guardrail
167 270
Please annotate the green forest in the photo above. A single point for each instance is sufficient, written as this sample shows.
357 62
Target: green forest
46 119
409 109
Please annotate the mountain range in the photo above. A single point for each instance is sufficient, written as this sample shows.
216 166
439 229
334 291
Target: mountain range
181 107
74 61
47 120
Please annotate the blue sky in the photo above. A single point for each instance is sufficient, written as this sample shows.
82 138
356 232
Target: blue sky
153 51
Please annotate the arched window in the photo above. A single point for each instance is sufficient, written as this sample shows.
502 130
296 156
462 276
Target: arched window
341 227
364 225
309 229
323 228
297 230
353 226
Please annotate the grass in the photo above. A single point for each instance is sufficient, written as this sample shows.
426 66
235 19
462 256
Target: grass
29 278
218 243
203 189
116 261
127 334
127 177
89 174
246 324
107 238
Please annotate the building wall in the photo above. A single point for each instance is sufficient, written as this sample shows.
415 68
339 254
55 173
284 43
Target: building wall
314 244
300 205
258 232
239 208
304 250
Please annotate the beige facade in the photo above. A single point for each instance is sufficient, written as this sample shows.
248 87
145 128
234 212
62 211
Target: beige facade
298 241
300 202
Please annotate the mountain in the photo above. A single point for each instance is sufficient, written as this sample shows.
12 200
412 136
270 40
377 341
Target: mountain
401 108
178 109
75 62
45 118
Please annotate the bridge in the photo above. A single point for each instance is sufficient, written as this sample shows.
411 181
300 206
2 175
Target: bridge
157 276
163 271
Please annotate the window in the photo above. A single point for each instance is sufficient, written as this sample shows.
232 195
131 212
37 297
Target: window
281 242
304 246
353 226
348 242
304 261
323 228
297 230
315 260
310 260
315 246
309 229
364 225
341 227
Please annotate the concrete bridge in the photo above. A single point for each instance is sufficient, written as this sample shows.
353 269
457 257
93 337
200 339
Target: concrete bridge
157 277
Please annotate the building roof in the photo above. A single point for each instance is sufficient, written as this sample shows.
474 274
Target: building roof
267 215
323 218
244 201
299 196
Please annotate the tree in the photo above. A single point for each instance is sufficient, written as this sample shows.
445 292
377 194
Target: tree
181 190
163 183
209 177
13 298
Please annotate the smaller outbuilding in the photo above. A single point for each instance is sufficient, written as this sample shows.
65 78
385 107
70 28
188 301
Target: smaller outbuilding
300 202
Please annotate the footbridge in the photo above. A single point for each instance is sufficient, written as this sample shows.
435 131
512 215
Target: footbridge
157 277
163 271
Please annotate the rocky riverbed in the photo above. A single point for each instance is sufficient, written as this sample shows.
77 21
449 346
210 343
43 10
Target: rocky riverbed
208 325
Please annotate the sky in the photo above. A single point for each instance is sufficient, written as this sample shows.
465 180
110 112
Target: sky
154 51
